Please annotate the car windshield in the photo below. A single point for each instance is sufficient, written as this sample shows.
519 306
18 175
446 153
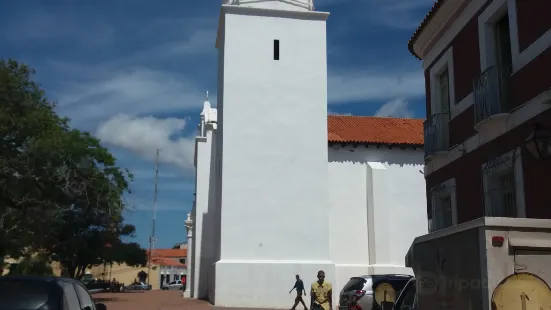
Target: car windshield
23 294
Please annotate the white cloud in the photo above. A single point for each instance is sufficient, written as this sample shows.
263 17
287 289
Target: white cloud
136 91
143 135
395 108
377 84
330 112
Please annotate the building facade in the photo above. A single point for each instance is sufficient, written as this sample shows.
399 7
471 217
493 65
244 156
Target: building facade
488 109
171 265
376 203
166 265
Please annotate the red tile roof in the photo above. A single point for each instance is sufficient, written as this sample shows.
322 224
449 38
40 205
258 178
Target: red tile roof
169 253
165 261
435 7
168 257
375 130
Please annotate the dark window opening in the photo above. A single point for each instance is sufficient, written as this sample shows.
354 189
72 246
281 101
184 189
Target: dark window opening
503 42
276 49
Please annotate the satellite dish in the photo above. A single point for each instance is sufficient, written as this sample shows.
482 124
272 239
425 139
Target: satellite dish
385 292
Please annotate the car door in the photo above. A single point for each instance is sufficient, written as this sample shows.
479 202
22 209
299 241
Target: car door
23 293
171 285
407 299
86 301
71 301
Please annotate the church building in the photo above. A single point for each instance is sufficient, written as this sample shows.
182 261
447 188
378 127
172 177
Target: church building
281 187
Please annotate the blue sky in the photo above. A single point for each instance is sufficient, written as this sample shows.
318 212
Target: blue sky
135 72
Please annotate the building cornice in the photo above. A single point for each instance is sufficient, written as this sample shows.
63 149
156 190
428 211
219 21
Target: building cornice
242 10
376 145
441 15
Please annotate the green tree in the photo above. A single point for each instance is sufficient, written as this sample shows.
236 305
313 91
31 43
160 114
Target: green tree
94 195
61 191
36 265
27 122
129 253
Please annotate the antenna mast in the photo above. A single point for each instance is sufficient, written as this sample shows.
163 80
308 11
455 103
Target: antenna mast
152 237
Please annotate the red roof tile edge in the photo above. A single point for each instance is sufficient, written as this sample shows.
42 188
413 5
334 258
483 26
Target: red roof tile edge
375 130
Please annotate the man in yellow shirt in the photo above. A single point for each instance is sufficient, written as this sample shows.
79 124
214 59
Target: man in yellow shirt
321 294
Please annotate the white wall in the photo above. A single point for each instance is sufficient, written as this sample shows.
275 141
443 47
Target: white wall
274 202
203 251
213 223
274 166
378 206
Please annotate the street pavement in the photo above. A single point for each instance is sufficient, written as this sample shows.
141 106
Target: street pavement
150 300
156 300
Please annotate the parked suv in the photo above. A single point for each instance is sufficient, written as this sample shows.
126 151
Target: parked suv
362 289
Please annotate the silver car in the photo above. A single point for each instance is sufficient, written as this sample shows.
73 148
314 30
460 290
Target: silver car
174 285
362 290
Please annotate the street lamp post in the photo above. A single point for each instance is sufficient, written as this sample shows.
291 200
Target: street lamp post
189 267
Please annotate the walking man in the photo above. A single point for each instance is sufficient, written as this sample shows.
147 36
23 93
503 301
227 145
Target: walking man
321 294
299 286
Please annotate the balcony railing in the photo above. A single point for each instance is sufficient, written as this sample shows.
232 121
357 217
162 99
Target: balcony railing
491 95
437 133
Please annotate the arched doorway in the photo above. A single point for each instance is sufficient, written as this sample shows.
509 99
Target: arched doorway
142 276
524 291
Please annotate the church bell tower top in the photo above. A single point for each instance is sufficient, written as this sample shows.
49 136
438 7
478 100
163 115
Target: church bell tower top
291 5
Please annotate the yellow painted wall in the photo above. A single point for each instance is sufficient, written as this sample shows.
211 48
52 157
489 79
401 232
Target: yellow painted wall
126 274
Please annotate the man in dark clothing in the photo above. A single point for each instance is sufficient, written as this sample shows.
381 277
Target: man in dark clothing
299 286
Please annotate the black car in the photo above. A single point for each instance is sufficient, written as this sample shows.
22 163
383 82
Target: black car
45 293
408 298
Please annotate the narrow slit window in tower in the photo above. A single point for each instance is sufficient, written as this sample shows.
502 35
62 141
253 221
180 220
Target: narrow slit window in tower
276 49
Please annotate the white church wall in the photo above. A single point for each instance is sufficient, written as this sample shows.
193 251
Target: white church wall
213 229
349 234
274 166
377 207
278 275
274 156
202 241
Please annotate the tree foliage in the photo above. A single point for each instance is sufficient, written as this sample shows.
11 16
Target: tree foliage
36 265
61 191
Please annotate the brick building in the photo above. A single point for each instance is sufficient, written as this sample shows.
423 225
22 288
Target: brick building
487 71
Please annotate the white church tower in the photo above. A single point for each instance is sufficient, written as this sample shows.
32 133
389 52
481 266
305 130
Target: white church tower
272 158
